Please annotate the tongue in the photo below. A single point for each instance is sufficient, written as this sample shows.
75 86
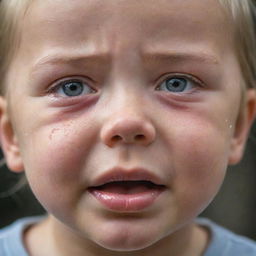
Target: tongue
128 187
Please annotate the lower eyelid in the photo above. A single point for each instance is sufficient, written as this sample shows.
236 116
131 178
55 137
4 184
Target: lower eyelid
70 104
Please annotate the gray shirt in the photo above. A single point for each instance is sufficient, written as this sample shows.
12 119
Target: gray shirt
223 242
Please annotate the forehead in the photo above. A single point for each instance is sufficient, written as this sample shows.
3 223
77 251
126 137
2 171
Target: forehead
137 10
108 24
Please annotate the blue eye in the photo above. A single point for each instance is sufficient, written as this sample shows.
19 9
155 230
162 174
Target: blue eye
177 85
73 88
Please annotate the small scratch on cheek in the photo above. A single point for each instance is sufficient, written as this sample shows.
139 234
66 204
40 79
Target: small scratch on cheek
54 130
62 130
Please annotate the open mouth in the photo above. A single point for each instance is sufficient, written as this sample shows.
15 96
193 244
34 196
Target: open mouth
127 195
128 187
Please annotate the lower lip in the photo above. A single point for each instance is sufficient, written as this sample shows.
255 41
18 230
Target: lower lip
126 202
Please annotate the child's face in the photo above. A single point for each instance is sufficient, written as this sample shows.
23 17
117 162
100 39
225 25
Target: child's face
158 88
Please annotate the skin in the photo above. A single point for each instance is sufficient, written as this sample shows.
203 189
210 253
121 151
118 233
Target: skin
187 139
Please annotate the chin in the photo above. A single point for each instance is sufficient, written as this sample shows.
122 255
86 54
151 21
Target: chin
126 240
125 246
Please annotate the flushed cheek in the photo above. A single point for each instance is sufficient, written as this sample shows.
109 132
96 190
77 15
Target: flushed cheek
55 160
200 165
198 143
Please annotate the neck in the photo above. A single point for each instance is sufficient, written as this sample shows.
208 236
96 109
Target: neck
190 240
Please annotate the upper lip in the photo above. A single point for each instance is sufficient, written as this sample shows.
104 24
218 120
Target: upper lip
121 174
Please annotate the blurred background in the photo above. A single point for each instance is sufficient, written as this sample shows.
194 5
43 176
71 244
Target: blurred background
234 207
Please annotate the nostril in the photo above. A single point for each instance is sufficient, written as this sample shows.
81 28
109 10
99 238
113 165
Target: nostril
116 138
140 137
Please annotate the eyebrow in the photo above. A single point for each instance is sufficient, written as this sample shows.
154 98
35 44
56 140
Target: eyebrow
174 57
95 59
62 59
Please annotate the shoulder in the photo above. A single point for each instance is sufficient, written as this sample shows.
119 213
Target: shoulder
11 237
226 243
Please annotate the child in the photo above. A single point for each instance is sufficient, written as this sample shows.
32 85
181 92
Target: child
164 103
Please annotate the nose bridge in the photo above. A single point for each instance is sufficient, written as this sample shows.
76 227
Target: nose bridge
127 100
126 83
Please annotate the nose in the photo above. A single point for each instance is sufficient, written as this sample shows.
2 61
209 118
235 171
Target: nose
128 130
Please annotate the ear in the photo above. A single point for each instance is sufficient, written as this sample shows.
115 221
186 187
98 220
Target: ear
243 125
8 140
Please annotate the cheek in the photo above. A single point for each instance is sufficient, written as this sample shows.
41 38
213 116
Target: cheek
200 157
55 158
201 172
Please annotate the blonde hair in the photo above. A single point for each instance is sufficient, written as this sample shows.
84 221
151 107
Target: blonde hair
242 13
11 14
